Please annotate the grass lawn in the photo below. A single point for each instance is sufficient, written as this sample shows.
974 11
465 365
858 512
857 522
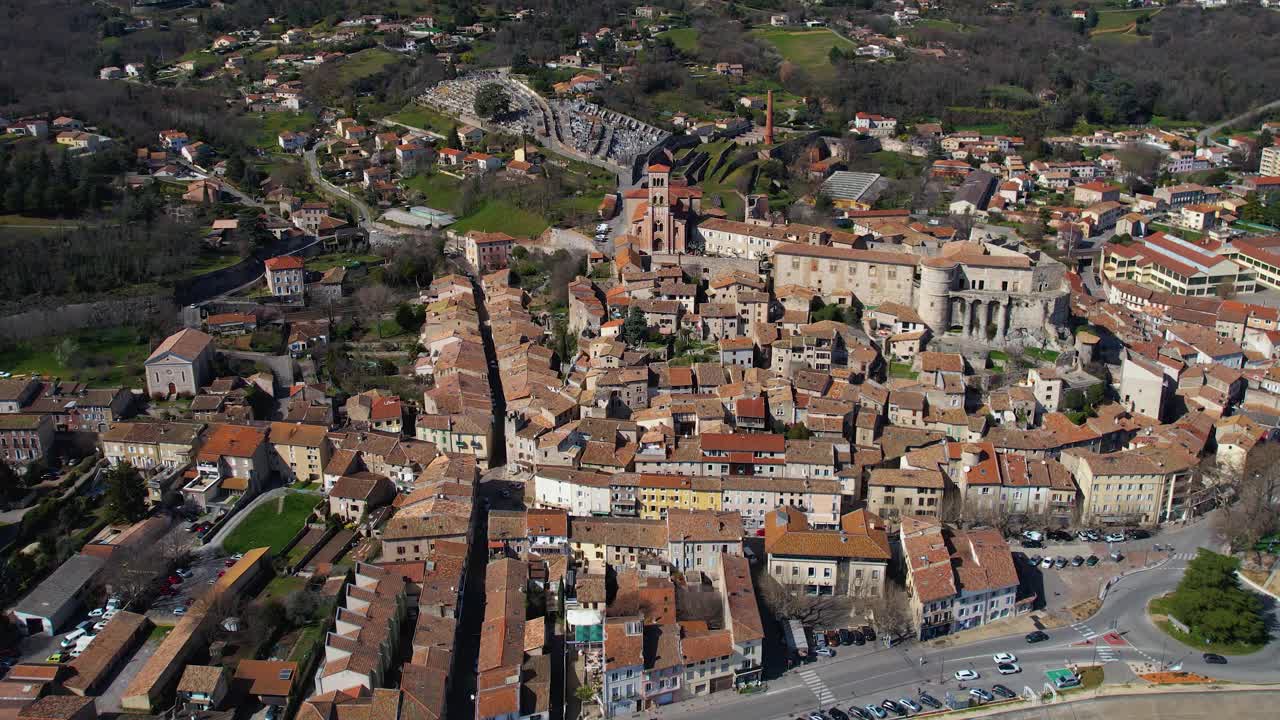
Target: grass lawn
111 356
367 62
208 262
306 642
898 165
810 49
1168 123
270 125
1160 606
987 129
1041 354
324 262
1180 232
685 39
425 118
441 190
1118 20
266 525
160 632
901 370
281 587
500 216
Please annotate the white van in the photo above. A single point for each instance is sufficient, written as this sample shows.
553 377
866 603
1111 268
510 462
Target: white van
70 638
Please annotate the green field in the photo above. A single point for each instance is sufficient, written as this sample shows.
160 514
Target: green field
270 125
105 356
1117 20
371 61
425 119
266 525
441 190
685 39
987 129
500 216
325 262
945 25
810 49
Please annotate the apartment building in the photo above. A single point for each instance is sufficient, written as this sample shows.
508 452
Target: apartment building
850 561
1146 485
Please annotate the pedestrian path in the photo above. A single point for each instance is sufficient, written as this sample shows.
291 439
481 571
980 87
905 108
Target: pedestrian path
819 688
1182 556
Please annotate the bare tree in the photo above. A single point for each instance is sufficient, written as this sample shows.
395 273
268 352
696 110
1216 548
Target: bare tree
1251 509
892 612
375 299
131 573
790 601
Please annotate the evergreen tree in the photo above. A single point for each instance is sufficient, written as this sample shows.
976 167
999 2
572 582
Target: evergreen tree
635 328
126 494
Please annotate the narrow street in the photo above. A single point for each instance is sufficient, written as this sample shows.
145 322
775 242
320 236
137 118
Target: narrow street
463 679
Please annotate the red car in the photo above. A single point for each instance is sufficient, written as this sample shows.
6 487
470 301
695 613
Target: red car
221 573
228 562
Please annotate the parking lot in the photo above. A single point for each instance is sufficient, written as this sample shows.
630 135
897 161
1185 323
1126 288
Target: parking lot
204 572
1063 587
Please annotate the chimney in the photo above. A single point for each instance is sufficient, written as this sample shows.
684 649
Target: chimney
768 120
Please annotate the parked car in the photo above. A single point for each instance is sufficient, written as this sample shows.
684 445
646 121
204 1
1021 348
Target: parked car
1137 534
893 707
1117 556
1032 544
1061 536
833 638
859 638
1092 560
1115 537
1060 563
869 633
1077 561
909 704
238 556
1033 535
1034 560
819 639
1046 563
183 572
846 636
1009 668
1214 659
56 657
966 675
96 612
100 626
825 652
837 714
1004 657
1003 691
981 695
877 712
930 700
857 712
180 610
817 715
1037 636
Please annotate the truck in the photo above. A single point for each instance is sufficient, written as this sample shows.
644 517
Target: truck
796 641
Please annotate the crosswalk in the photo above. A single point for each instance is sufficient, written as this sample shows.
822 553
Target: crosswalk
1101 648
819 688
1182 556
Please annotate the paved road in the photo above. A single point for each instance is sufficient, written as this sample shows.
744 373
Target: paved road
868 674
313 168
1211 131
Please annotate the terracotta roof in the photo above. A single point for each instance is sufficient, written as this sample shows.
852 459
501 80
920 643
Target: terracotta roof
233 441
907 478
186 344
284 262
